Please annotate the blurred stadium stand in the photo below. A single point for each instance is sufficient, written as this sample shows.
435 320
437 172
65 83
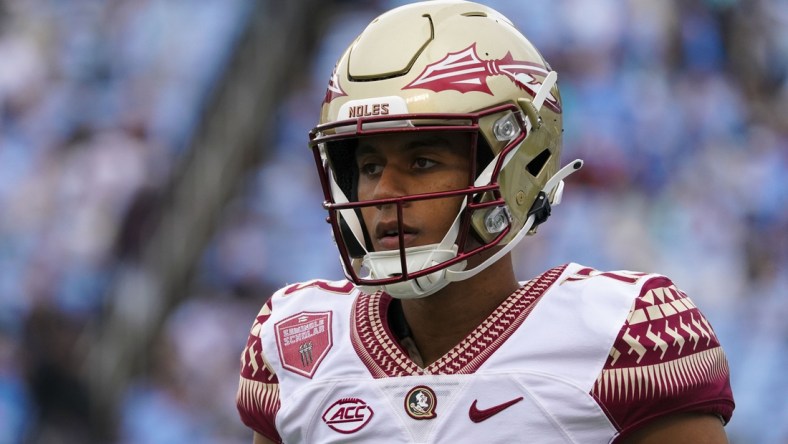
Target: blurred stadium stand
224 150
155 187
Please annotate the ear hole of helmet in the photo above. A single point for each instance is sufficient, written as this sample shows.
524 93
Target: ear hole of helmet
535 166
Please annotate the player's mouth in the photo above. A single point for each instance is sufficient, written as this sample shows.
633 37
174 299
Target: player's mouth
387 236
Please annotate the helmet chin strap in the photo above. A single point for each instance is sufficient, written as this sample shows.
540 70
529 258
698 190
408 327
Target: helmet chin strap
383 264
556 183
387 263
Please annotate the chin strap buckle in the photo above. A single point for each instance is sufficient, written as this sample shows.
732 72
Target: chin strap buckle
540 209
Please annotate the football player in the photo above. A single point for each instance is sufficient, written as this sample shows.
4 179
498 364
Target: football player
438 151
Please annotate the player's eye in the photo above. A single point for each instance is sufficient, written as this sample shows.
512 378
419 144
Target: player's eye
370 168
423 163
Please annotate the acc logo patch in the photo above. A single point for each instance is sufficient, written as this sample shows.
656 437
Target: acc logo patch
348 415
303 341
420 403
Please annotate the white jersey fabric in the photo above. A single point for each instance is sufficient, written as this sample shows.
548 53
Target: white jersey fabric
322 365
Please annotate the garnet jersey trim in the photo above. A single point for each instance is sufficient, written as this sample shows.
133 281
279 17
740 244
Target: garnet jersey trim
257 399
378 349
666 357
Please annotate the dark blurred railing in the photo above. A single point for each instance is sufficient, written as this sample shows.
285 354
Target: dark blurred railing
230 142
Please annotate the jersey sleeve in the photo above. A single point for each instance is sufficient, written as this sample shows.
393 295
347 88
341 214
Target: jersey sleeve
258 389
665 360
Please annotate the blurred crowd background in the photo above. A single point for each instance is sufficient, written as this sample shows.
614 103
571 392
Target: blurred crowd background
156 187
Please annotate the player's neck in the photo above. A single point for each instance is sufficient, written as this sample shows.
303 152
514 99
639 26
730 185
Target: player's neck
440 321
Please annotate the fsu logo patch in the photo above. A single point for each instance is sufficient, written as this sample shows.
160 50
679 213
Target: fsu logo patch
464 72
303 341
348 415
420 402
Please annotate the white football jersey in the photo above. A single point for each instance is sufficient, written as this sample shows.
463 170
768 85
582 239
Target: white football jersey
573 356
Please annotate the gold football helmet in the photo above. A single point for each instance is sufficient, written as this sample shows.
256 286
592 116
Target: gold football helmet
443 65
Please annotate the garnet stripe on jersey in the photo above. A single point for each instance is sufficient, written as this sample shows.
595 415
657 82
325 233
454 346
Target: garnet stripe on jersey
377 347
665 358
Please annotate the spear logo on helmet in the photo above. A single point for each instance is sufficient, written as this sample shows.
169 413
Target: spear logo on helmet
464 71
334 89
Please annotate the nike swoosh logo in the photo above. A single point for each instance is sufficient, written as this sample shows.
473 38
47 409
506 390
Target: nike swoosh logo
477 415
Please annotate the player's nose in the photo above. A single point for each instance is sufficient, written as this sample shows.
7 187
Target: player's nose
392 183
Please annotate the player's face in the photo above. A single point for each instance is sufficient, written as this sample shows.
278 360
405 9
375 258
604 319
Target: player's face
405 164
